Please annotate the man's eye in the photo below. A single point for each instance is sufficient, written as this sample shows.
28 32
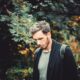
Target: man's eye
40 38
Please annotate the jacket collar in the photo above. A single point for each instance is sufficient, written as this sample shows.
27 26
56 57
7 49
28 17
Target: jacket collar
52 59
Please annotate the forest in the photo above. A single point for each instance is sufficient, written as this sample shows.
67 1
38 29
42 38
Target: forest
16 46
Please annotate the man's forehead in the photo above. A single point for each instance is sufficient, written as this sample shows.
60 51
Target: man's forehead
38 35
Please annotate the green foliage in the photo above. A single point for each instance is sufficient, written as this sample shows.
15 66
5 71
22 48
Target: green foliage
20 22
18 73
23 16
20 27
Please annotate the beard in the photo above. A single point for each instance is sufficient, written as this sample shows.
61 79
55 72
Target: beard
47 43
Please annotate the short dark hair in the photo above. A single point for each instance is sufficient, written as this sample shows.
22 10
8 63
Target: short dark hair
40 25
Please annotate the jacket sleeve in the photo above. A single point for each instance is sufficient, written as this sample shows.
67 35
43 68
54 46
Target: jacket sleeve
70 65
35 68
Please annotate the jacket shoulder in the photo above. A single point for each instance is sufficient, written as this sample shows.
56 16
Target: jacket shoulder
37 51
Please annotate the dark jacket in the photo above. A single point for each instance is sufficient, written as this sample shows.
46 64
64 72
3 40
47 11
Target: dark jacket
58 68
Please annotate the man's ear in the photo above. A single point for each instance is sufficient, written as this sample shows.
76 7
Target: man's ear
49 34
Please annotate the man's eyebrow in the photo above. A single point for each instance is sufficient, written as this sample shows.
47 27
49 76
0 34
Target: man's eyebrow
40 38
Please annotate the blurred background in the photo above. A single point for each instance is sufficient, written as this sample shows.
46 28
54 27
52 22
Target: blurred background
16 46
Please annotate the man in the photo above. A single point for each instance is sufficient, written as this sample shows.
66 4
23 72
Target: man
48 64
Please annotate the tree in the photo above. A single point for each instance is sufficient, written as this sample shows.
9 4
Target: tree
19 15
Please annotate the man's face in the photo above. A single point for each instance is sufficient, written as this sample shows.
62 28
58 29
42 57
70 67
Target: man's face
41 39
